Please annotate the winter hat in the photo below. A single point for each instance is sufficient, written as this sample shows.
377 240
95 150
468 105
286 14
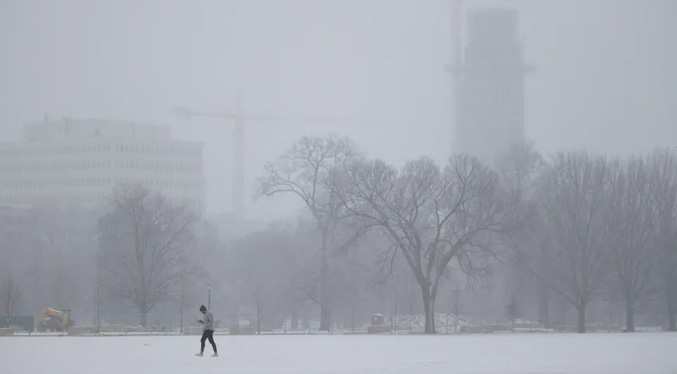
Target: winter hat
203 308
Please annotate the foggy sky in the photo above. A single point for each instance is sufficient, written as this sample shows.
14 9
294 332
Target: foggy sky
606 74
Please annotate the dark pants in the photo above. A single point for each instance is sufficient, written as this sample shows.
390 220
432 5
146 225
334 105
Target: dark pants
207 334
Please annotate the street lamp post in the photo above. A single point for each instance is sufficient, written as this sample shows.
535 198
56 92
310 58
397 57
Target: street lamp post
209 296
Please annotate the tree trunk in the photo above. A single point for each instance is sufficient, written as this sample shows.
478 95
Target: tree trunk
668 265
544 306
181 321
672 311
98 304
324 318
143 319
236 312
671 301
581 318
429 308
294 316
306 321
324 289
258 309
629 316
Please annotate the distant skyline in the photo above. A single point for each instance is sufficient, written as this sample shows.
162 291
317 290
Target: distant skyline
606 77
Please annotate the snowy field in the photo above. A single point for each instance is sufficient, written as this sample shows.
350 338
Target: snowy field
648 353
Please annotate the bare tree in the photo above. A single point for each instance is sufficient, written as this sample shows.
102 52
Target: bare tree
431 216
144 243
629 217
306 171
68 234
11 297
519 169
663 165
575 253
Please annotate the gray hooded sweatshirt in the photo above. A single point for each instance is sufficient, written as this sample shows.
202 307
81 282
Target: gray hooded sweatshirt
208 321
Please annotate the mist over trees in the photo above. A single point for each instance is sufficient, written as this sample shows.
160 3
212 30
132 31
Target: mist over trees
601 231
582 226
570 240
664 196
572 200
306 170
11 297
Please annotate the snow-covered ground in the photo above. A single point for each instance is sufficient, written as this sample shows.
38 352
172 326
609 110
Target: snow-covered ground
651 353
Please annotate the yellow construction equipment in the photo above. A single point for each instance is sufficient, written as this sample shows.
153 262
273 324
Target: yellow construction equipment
55 320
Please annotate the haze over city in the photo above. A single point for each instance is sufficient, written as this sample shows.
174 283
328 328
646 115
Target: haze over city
605 76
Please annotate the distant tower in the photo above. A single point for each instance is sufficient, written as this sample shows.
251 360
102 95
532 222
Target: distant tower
489 89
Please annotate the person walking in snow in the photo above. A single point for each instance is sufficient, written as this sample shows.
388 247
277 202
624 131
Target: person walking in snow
207 331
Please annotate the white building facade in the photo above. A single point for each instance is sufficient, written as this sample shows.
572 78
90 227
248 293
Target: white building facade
80 161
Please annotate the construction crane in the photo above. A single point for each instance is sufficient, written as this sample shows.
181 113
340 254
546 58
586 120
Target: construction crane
238 149
239 118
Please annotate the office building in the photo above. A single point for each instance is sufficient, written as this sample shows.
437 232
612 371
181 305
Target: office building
490 94
80 161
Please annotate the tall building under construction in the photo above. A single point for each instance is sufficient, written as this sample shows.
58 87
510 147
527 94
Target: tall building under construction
489 85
